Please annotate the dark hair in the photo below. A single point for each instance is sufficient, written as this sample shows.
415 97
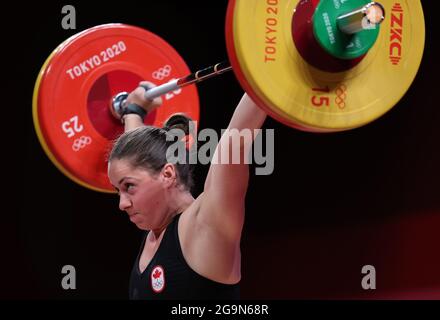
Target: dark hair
147 146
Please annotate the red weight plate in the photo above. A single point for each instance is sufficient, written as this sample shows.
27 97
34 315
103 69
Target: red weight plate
76 84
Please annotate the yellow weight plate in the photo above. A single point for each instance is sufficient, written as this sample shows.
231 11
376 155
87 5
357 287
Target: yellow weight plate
270 68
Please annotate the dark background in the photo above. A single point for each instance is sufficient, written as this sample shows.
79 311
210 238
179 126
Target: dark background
335 202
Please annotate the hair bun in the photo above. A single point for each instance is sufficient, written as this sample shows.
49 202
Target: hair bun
180 121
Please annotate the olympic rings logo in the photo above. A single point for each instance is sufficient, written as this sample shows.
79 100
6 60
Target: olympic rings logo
162 73
341 96
81 142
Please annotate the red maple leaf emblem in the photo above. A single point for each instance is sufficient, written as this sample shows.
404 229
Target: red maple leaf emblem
156 274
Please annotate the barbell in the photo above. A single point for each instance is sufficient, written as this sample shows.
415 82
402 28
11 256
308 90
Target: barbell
314 65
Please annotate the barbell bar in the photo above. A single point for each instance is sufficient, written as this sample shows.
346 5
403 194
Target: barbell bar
319 66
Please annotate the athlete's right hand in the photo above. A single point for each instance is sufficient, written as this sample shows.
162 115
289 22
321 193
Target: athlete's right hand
137 96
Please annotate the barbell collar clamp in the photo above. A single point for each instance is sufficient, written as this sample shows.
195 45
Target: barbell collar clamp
365 17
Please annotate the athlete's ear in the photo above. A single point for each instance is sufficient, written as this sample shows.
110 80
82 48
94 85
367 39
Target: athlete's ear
168 175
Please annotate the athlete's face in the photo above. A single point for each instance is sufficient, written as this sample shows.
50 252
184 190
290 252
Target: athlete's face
141 194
